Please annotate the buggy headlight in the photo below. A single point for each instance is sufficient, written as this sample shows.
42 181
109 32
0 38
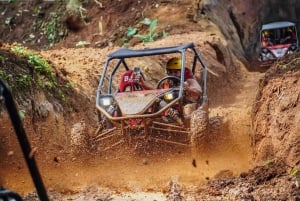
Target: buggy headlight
264 50
106 101
293 48
169 96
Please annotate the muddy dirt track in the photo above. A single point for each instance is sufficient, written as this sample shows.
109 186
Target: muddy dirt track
122 170
236 164
224 171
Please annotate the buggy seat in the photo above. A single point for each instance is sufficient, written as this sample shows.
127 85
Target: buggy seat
129 82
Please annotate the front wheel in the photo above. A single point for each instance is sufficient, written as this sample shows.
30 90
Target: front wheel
199 125
102 120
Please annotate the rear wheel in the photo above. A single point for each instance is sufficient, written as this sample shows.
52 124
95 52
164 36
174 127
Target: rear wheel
199 129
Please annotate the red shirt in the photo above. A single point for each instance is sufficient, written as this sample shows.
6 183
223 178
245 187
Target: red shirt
188 74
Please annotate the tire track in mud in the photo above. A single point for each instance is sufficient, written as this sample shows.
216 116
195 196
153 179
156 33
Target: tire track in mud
229 150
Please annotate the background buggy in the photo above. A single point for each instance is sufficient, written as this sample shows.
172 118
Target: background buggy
277 39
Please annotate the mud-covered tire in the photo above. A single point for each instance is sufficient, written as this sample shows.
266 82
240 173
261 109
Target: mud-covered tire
103 120
199 125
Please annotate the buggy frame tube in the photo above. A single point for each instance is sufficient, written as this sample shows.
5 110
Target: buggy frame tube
204 72
23 141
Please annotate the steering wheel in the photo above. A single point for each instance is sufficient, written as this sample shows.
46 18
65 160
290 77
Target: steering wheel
174 82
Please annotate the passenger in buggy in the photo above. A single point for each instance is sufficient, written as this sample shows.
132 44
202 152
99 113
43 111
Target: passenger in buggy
192 89
290 36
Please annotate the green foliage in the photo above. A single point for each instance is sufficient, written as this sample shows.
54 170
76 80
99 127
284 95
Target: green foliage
42 69
164 34
42 74
53 29
292 62
146 21
150 36
4 76
131 31
74 7
8 21
2 59
22 114
68 85
41 66
82 44
295 173
268 163
62 95
36 10
23 80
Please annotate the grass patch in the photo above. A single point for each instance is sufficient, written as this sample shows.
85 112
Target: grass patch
42 71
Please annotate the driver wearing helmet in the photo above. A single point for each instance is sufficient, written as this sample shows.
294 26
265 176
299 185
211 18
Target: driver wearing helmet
191 86
192 90
266 38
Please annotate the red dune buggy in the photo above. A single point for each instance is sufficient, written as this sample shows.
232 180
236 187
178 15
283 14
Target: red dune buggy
160 114
277 39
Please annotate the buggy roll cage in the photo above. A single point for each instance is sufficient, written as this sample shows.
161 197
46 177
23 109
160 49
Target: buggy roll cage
6 194
124 53
279 25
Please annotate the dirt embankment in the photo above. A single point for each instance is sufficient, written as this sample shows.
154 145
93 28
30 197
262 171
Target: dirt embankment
276 116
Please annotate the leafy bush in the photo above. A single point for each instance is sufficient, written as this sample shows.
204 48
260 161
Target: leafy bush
42 69
148 37
53 29
131 31
151 35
